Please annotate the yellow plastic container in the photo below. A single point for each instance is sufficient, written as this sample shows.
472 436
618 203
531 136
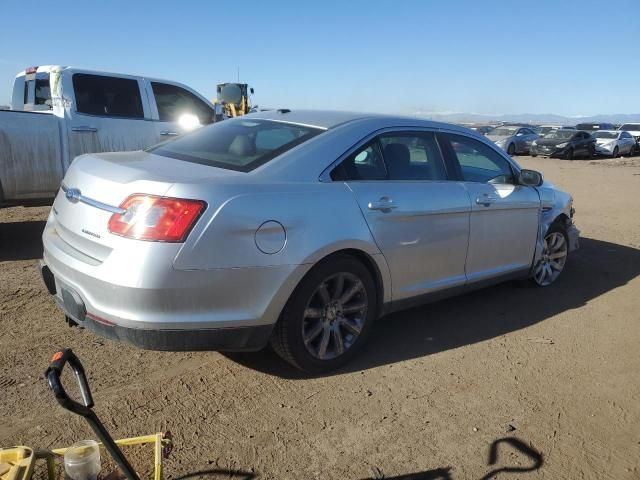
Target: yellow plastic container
16 463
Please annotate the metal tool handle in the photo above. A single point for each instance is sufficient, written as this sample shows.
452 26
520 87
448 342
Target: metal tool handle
58 361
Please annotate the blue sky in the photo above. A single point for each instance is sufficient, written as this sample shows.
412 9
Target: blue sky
567 57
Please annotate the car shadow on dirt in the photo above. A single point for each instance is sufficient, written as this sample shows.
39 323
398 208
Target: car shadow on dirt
21 240
597 268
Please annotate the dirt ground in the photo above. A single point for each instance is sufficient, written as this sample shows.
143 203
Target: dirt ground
549 379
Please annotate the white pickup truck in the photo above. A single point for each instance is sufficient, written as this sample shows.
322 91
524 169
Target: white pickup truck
58 113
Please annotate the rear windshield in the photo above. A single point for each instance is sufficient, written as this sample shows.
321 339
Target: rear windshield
594 126
503 132
241 145
606 134
560 134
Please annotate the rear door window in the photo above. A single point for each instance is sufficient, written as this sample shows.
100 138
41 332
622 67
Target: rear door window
174 101
240 145
364 164
107 96
412 156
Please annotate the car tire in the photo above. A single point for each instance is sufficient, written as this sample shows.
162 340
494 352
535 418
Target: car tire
315 323
592 151
511 149
569 154
615 153
554 257
534 155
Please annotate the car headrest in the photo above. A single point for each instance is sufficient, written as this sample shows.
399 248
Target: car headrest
397 155
242 146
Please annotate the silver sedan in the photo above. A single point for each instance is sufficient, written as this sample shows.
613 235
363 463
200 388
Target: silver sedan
513 140
295 228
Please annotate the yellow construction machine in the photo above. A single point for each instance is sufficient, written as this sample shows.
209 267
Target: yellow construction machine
232 100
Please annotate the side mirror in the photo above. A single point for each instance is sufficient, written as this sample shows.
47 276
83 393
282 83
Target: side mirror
530 178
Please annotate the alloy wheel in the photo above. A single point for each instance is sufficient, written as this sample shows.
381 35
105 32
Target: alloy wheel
554 257
334 316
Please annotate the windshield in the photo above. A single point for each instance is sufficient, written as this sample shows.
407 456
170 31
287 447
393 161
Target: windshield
560 134
630 127
241 145
503 132
545 130
606 134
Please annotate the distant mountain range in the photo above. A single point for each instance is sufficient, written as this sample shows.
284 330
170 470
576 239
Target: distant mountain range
533 118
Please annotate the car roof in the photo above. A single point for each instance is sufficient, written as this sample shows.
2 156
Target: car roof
327 119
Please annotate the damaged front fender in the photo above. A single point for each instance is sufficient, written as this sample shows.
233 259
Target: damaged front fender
556 207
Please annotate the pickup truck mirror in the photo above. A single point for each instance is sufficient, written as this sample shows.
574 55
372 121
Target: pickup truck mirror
530 178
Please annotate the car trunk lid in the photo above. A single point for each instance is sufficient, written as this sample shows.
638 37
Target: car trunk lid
96 185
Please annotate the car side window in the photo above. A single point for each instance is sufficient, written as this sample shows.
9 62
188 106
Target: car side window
174 101
412 156
479 162
365 164
107 96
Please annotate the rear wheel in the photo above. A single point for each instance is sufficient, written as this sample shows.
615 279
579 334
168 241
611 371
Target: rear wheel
511 150
554 256
328 317
592 151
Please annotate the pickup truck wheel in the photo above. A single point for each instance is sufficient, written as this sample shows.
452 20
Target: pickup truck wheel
328 317
554 257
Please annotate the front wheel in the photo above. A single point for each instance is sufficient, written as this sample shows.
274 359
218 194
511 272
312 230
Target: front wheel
511 150
615 153
569 154
554 257
328 317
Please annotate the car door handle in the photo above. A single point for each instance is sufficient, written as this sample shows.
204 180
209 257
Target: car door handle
84 128
486 200
167 133
385 204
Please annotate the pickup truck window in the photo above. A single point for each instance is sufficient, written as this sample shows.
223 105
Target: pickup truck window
174 101
43 91
107 96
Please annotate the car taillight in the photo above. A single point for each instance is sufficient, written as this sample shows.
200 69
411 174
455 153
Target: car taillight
161 219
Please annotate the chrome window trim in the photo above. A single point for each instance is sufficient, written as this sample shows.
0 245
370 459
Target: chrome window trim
325 176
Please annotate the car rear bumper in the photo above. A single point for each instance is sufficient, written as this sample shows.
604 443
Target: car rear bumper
145 301
241 338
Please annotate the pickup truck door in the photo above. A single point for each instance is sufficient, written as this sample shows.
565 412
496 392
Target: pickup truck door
176 109
109 114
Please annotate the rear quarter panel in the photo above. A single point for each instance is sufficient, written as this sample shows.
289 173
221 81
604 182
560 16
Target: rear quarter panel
318 219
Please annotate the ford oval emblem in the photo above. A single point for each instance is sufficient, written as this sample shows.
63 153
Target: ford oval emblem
73 194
